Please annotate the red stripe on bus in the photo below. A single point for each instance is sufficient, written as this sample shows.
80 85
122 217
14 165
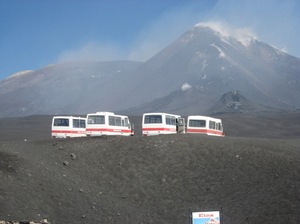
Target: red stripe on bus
68 132
108 130
204 131
159 129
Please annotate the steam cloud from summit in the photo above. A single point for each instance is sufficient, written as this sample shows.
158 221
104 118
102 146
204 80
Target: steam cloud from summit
271 21
275 22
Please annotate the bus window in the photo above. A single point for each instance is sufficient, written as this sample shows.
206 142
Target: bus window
212 125
151 119
111 121
173 120
82 123
96 119
170 120
114 121
78 123
61 122
75 123
197 123
219 126
127 122
118 121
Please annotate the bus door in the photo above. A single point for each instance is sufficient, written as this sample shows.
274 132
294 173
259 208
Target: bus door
180 125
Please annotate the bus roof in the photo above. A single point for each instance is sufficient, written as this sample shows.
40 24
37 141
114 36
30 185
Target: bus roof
104 113
101 113
200 117
161 113
67 117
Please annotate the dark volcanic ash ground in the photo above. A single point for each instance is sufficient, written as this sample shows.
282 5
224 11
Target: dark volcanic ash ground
158 179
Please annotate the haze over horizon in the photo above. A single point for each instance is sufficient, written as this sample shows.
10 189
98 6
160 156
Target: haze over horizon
37 33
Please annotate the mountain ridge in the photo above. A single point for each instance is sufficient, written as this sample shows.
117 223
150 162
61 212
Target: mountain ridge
209 63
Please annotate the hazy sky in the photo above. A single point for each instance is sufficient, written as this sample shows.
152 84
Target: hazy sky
35 33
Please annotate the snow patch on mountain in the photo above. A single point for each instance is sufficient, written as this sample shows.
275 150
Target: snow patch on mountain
185 86
280 51
221 52
204 65
217 27
187 38
18 74
203 76
244 35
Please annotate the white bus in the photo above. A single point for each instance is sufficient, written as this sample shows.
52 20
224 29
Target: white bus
204 125
108 123
162 123
68 126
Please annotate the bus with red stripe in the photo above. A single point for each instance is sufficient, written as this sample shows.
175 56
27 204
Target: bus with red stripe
68 126
108 123
162 123
204 125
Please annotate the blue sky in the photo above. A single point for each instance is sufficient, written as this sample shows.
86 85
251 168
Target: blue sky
35 33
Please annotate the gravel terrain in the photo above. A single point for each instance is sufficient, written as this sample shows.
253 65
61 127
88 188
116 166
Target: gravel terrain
252 175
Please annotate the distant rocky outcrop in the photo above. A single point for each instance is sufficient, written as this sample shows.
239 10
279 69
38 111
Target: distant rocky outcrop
235 102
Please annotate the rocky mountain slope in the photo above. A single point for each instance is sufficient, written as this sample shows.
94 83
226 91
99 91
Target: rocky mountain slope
61 88
189 76
213 64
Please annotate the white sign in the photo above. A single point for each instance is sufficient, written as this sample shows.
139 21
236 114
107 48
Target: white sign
208 217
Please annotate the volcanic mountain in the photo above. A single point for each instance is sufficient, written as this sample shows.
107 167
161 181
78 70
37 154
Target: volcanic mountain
189 76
